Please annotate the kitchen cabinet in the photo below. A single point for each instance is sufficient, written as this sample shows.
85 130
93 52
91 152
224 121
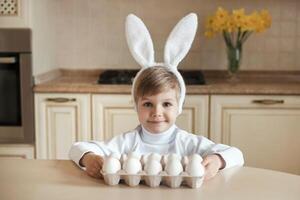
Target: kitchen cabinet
61 119
265 128
115 114
23 151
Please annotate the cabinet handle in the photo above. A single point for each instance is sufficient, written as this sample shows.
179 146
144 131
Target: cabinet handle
268 101
61 100
8 60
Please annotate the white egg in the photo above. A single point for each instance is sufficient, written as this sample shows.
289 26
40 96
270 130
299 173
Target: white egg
152 167
132 166
115 155
154 156
173 167
111 165
195 157
134 155
168 157
174 156
195 168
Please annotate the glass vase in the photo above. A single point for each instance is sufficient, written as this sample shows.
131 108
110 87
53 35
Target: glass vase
234 56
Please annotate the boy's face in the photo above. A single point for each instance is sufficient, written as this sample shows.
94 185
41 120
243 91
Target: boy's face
157 113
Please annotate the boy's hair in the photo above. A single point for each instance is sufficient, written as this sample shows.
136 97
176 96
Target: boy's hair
154 80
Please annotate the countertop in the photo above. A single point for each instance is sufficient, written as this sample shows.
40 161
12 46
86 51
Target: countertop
250 82
62 179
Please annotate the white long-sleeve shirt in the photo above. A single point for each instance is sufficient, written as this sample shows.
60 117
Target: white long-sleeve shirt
174 140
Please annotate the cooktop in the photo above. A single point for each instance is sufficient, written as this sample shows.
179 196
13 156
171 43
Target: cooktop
191 77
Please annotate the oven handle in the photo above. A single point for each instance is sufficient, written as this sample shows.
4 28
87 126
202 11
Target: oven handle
61 100
8 60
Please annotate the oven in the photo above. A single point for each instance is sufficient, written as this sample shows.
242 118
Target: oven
16 94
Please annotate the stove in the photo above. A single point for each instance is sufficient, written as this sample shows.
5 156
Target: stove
191 77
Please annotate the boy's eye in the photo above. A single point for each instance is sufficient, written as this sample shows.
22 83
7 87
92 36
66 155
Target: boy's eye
147 104
167 104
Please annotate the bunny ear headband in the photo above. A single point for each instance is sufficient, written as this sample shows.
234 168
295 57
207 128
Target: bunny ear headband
177 46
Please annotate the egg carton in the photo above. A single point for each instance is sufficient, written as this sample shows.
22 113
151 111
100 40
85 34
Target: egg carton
133 180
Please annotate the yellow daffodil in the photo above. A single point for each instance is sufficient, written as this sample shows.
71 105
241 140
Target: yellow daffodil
235 28
238 17
266 18
237 23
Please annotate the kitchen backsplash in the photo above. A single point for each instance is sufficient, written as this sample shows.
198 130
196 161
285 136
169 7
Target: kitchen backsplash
77 34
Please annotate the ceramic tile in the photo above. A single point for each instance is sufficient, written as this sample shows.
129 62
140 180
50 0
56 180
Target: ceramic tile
298 45
287 44
272 44
288 10
271 60
288 28
77 34
274 8
254 60
298 28
255 43
287 60
274 30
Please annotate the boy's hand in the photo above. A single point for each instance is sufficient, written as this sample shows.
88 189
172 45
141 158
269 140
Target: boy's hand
93 164
212 164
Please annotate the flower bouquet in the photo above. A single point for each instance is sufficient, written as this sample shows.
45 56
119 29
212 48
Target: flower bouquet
236 27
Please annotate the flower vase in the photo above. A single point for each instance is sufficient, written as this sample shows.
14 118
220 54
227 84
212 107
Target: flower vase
234 56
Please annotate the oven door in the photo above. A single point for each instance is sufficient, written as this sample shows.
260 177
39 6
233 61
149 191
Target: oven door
10 98
10 104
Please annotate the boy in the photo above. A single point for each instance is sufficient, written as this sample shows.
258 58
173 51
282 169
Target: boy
157 94
158 91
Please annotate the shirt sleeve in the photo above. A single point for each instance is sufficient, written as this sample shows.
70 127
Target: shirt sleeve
80 148
203 146
231 155
119 144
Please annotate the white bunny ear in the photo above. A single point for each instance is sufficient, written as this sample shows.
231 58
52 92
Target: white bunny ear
139 41
180 40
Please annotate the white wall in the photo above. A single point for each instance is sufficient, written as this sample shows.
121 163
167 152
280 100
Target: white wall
44 42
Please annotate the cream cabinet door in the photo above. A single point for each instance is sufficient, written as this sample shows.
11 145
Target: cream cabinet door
265 128
194 116
115 114
24 151
61 120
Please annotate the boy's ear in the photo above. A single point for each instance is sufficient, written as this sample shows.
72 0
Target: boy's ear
139 41
180 40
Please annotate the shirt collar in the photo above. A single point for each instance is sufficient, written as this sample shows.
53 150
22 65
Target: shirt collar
158 138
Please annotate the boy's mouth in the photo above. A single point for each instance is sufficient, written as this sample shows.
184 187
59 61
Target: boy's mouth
156 122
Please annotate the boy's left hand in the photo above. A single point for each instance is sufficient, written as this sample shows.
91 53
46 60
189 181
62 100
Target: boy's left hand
212 164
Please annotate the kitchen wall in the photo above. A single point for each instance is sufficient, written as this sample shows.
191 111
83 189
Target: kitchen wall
89 34
14 13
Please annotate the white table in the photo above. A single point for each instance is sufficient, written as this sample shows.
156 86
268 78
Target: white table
62 179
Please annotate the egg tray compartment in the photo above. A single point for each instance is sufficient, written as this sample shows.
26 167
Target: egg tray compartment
153 180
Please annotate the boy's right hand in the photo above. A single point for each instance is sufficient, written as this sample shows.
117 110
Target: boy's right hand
93 164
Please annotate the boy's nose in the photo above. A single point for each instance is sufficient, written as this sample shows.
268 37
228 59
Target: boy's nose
157 111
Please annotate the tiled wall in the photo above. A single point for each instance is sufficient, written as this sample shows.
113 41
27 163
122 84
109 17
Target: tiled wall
89 34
